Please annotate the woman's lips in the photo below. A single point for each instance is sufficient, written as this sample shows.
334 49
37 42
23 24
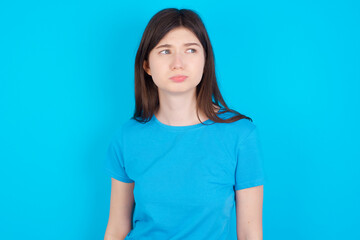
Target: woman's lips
178 78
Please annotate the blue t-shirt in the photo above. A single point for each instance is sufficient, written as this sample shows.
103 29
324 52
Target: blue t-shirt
186 176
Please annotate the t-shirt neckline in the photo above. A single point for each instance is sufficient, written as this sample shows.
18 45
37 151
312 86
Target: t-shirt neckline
181 128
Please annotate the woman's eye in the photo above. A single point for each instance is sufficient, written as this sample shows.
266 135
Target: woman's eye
163 51
167 51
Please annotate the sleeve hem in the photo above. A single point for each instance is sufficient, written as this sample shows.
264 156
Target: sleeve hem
250 184
118 177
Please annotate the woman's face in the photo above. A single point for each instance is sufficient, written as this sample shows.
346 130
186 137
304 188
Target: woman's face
178 53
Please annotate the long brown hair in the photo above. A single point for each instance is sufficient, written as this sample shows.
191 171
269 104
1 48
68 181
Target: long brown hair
207 91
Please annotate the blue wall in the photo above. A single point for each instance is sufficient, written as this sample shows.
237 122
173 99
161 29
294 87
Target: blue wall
66 84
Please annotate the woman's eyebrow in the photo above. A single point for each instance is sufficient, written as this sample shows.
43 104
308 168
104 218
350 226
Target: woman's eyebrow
168 45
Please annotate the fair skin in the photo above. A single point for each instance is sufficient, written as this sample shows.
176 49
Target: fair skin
180 52
249 202
121 206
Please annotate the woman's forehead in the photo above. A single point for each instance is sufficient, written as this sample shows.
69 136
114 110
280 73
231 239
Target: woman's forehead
180 35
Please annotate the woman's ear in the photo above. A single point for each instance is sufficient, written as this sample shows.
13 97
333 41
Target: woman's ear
146 67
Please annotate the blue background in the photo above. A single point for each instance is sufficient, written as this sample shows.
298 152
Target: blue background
66 84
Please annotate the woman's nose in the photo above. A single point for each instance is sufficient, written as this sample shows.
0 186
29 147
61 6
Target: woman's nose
177 61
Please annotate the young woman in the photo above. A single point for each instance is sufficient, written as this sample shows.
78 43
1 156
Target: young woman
185 166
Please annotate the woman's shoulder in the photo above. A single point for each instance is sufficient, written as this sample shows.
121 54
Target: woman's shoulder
242 126
125 127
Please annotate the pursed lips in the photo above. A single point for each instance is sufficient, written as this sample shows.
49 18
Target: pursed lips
178 77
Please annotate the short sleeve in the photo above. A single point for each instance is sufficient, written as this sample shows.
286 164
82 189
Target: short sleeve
114 161
249 168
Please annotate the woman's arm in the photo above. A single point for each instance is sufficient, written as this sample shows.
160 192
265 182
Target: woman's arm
249 202
121 207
